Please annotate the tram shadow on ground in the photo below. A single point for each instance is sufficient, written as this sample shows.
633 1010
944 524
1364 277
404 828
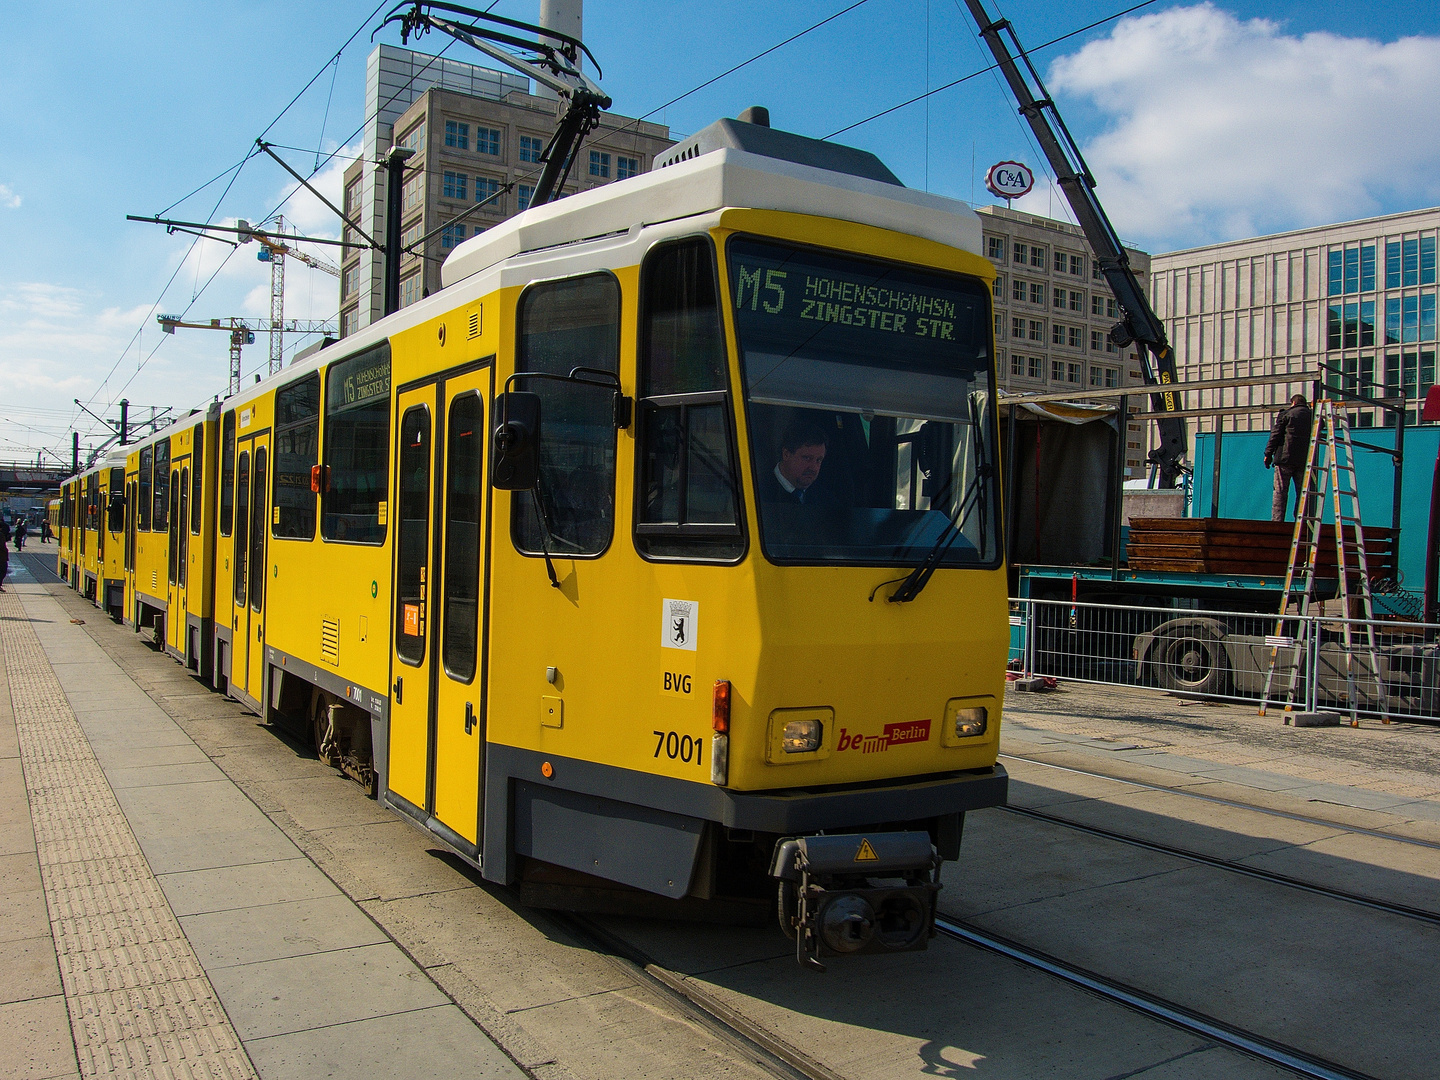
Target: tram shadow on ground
1217 942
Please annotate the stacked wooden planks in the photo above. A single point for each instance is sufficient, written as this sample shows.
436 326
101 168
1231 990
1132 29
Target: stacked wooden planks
1240 546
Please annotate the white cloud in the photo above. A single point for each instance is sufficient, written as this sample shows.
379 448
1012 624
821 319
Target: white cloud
1221 128
8 199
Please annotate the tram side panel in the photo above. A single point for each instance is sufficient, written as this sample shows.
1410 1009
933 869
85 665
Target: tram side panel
197 559
149 576
326 561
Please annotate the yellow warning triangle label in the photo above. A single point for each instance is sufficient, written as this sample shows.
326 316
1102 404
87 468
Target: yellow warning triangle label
866 853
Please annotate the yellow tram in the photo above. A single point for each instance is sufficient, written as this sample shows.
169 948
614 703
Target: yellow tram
658 554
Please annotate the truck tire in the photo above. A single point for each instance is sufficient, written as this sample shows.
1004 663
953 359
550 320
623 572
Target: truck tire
1190 658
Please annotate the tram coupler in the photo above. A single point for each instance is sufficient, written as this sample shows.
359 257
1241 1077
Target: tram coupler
856 893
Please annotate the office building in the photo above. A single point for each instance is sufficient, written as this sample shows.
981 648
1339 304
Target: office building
1053 314
1351 304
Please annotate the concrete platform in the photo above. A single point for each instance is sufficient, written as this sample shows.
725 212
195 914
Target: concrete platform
155 921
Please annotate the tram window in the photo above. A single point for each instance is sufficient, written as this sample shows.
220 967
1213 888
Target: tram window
687 499
242 523
297 443
227 473
357 448
197 466
115 504
464 485
413 539
160 521
92 501
564 325
147 459
257 533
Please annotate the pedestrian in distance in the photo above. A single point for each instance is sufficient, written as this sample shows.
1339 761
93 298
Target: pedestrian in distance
4 551
45 533
1289 452
21 530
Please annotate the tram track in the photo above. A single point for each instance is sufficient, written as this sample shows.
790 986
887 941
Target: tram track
1257 1046
1307 819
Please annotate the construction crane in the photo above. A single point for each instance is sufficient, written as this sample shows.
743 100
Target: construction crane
242 333
273 250
1140 325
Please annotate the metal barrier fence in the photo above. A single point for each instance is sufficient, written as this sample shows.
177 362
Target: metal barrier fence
1226 655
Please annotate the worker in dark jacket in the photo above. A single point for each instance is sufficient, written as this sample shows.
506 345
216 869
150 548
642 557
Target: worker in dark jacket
1289 451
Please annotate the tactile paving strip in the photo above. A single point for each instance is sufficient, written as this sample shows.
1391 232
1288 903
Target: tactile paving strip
140 1003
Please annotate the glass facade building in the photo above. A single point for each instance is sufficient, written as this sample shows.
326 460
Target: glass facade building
1351 305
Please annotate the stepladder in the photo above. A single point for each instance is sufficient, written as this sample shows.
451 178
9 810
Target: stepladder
1308 639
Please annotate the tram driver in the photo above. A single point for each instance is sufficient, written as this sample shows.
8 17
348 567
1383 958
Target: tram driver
802 452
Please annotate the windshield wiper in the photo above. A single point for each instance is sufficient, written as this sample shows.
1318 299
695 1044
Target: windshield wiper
918 578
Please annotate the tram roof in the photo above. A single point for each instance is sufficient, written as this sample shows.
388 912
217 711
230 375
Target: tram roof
722 178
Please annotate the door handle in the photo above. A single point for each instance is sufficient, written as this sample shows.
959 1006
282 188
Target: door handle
400 690
469 718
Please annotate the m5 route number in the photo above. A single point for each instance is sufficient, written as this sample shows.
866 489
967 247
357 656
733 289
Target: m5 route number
674 745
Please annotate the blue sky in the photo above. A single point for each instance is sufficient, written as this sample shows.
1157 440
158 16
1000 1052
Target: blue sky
1203 122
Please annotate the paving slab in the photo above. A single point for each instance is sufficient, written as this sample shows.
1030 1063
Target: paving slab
272 931
224 888
30 969
37 1043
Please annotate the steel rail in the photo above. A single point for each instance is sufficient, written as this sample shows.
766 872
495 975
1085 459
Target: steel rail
757 1044
1239 868
1357 829
1168 1012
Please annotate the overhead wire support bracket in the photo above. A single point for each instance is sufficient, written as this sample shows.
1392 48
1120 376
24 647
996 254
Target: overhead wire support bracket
316 192
248 231
556 66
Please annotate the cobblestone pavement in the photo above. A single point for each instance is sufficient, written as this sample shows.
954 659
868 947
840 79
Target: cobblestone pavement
138 1001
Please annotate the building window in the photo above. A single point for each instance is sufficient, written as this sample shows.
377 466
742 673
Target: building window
1100 342
1057 334
1037 330
523 194
410 236
1073 337
1057 370
1367 267
1037 293
1017 364
357 448
1077 301
1061 262
457 135
455 185
1021 252
410 290
297 446
1074 373
349 323
414 139
1037 256
1035 367
688 504
1102 305
600 164
999 325
452 236
1097 376
1427 319
349 281
487 141
1058 299
564 324
487 189
626 167
1019 290
995 248
531 147
1077 265
1112 378
412 195
998 289
1367 323
1392 264
1095 273
1017 328
1427 260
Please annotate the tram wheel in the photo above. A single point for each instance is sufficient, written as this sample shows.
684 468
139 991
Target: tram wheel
319 724
787 903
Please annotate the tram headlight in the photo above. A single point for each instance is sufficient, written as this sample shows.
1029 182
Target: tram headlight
803 736
970 722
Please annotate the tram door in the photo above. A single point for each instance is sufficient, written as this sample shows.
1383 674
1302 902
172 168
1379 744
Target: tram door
175 622
437 728
247 623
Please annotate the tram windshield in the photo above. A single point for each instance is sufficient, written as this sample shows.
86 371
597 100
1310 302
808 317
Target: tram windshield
870 400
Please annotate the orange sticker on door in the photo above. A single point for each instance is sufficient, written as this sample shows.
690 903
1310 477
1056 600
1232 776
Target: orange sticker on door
412 620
